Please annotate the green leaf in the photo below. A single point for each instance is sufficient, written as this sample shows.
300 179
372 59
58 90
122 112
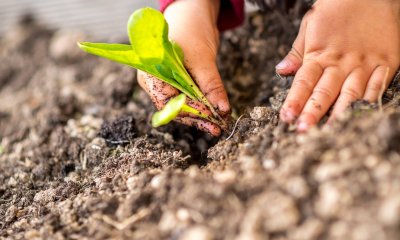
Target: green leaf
124 54
164 71
120 53
148 34
169 112
178 51
189 109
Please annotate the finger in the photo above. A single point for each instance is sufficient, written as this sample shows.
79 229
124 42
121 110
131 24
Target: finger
209 81
199 40
159 91
378 82
322 98
200 124
352 90
301 89
294 59
198 106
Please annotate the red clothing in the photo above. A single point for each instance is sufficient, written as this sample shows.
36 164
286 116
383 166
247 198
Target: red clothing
231 13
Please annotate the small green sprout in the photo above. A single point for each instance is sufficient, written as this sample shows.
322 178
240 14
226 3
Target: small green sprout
172 109
151 51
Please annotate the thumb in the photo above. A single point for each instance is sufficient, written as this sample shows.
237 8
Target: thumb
294 59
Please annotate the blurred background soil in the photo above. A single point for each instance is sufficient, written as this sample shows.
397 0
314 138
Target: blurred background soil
79 160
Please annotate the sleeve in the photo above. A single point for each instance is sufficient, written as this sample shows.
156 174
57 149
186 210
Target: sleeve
230 16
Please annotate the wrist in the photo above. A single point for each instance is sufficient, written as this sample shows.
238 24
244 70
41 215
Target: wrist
208 8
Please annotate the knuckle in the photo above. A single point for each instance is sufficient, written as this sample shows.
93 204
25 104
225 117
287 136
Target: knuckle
323 92
302 83
375 86
214 87
350 93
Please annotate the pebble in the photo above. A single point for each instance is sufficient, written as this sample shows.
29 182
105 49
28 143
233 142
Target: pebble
45 196
183 215
328 171
11 213
269 164
157 181
332 197
12 182
168 221
297 187
197 233
382 170
389 211
249 163
225 177
132 183
260 113
311 229
273 212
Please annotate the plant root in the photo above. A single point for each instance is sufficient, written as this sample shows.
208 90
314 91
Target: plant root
234 128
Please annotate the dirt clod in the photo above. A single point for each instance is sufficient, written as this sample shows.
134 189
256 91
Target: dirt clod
119 132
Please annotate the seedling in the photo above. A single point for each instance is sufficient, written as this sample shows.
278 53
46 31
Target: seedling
151 51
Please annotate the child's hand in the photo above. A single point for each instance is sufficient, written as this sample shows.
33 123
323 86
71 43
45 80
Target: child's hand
345 50
192 24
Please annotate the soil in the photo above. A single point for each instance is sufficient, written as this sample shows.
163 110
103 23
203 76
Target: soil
79 160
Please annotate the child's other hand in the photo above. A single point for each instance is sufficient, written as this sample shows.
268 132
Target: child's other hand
192 24
345 50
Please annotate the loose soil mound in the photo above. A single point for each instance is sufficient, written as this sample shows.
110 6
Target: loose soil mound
79 160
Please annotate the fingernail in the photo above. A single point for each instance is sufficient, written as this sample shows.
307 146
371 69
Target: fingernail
223 106
282 65
302 126
288 116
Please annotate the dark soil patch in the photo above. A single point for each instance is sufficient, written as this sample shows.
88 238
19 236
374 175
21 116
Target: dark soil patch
79 160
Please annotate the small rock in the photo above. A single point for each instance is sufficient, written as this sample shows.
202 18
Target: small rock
382 170
45 196
197 233
157 181
249 163
339 230
332 198
310 230
260 113
193 171
281 214
11 213
269 164
225 177
73 177
183 215
132 183
328 171
168 221
297 187
12 182
272 212
32 234
389 212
